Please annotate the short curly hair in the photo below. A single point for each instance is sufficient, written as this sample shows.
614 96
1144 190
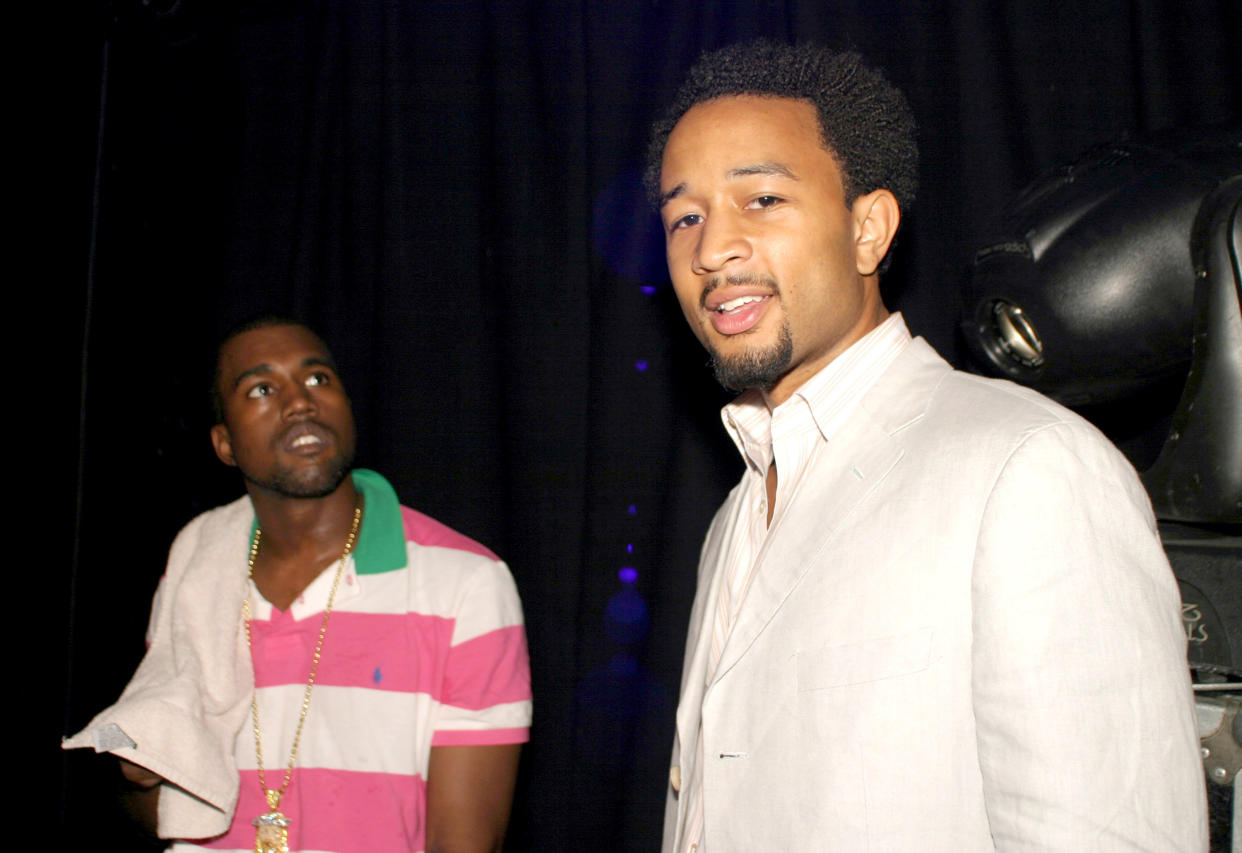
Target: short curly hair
865 122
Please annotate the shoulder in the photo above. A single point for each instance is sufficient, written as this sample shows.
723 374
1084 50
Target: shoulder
453 575
976 404
438 553
923 396
973 434
219 528
1010 420
1038 460
224 517
424 531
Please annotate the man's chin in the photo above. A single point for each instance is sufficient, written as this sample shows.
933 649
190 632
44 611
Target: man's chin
740 377
306 483
754 368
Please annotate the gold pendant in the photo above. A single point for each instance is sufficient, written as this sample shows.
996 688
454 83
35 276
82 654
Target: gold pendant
271 830
271 833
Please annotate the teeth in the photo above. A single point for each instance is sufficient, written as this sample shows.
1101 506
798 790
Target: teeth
305 439
734 304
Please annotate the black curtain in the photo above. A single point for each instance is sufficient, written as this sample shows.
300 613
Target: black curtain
450 192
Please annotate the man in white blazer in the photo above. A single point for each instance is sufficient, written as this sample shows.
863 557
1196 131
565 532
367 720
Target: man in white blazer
934 615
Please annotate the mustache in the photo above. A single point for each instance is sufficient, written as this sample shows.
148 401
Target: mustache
737 278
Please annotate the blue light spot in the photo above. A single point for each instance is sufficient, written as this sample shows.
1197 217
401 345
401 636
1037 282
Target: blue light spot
648 289
625 619
377 676
632 509
628 574
640 365
627 606
629 549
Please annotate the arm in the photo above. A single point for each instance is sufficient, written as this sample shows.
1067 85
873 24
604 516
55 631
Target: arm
469 793
1080 686
483 716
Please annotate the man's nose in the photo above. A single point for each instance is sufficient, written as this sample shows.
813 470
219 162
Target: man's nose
299 400
722 240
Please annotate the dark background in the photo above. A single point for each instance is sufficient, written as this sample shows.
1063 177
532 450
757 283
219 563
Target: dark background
449 191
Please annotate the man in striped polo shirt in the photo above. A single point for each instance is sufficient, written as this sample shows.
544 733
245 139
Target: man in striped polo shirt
367 688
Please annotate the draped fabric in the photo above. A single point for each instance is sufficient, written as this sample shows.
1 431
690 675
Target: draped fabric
450 192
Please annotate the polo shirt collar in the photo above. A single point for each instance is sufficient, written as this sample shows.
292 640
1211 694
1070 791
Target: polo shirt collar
381 539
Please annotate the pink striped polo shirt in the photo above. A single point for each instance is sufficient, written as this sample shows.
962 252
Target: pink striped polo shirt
425 647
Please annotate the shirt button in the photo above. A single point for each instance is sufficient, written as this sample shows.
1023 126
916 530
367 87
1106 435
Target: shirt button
674 778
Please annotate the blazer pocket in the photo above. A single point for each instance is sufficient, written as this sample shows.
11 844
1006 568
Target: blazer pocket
869 660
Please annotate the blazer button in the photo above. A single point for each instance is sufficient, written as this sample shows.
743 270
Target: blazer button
674 778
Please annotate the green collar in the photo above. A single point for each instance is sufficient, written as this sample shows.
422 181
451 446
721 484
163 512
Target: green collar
381 541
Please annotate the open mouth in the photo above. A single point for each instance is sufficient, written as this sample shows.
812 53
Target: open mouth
735 304
739 314
305 438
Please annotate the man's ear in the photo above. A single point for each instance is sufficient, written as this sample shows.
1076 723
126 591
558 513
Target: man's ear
876 217
223 444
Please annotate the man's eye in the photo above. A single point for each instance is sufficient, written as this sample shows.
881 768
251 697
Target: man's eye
260 390
765 201
318 378
687 221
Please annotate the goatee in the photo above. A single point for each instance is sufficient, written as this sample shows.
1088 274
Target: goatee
309 483
755 368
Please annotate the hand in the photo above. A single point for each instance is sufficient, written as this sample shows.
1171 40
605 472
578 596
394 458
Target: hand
140 798
138 775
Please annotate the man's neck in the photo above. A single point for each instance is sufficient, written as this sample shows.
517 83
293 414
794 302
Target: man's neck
300 538
872 317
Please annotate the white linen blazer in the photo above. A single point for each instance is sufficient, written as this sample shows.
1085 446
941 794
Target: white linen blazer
963 635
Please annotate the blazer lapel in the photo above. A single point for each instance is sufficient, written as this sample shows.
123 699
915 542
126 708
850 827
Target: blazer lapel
817 509
846 469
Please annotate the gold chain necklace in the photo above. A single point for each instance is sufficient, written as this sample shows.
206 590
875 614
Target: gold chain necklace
272 828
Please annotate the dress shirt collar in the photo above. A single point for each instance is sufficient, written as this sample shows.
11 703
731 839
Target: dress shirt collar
822 402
